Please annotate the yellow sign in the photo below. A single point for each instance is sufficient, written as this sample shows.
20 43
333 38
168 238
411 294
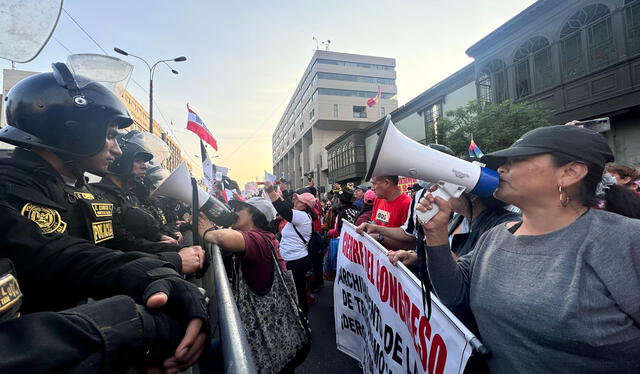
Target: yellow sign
9 292
84 196
102 210
47 219
102 231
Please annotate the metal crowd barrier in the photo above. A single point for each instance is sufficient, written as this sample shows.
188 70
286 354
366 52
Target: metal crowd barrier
238 358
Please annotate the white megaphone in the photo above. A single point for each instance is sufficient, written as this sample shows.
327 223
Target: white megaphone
397 154
178 186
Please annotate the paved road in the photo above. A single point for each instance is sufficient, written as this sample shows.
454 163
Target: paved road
324 357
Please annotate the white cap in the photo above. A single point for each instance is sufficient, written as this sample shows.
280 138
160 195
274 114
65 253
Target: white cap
263 206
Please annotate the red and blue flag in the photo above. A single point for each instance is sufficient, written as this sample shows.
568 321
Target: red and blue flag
474 150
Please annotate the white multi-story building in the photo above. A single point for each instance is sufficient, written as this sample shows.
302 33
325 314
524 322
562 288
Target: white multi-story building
330 99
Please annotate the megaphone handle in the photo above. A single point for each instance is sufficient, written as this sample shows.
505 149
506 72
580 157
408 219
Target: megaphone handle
424 217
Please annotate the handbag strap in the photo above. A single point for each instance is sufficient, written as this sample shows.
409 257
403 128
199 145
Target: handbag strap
298 232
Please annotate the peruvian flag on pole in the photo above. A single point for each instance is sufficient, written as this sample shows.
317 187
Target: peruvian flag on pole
374 100
195 124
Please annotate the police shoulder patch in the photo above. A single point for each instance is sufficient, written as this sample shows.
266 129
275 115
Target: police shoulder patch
48 219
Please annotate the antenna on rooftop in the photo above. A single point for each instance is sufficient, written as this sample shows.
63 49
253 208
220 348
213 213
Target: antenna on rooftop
317 46
326 44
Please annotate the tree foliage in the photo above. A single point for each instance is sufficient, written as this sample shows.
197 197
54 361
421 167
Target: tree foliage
492 126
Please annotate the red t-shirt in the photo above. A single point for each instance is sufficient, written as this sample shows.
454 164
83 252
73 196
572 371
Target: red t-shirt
257 263
391 214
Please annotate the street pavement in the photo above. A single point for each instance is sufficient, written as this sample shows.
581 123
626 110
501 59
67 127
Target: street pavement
324 357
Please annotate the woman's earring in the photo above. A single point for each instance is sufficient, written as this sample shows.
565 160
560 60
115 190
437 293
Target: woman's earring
564 197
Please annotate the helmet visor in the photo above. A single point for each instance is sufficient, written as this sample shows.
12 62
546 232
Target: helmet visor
111 72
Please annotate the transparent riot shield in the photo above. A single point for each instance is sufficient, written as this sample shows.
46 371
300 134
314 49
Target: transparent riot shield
111 72
26 26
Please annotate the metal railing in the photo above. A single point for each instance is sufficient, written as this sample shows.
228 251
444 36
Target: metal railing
238 358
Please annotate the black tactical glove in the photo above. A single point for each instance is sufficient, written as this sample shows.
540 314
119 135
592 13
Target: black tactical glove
161 335
185 300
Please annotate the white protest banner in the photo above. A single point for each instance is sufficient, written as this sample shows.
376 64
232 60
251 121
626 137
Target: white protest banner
380 320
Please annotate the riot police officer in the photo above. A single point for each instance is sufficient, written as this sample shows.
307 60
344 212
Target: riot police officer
64 125
125 176
105 336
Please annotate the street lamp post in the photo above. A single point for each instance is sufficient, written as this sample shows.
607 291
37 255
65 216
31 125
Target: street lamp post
152 69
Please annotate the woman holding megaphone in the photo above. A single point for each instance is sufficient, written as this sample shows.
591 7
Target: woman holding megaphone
560 290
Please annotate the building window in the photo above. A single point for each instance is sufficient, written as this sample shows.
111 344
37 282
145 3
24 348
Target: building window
533 64
354 64
312 114
365 94
359 111
588 30
355 78
632 19
335 110
492 82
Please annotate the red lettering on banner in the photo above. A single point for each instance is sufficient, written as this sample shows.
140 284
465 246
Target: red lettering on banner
438 355
393 293
432 352
425 335
383 286
415 314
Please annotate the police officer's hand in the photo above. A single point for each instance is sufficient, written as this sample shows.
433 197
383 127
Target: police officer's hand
179 236
167 239
192 259
185 304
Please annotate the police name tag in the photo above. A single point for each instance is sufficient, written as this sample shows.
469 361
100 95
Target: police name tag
102 210
10 292
102 231
84 195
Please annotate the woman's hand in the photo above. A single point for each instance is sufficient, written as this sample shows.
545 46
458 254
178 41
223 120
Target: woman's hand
406 257
436 229
204 224
192 259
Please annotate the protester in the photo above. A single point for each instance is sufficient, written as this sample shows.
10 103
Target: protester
414 189
365 213
295 234
390 207
563 284
359 195
625 176
346 210
618 198
251 238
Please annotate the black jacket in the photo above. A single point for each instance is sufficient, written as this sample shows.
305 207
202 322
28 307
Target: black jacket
34 188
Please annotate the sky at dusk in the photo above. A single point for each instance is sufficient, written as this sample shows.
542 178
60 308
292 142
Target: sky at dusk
245 57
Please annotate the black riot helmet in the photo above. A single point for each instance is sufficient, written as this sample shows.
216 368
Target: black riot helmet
63 112
132 149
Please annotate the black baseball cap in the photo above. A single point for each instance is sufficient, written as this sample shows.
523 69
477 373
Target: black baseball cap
579 143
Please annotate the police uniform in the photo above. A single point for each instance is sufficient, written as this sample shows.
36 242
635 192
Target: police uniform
129 214
39 193
56 272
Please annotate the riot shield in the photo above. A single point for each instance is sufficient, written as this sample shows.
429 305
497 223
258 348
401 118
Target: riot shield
26 26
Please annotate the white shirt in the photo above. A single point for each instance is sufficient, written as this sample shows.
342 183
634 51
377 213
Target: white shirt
291 246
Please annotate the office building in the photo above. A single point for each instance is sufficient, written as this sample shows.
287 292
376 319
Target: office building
330 99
